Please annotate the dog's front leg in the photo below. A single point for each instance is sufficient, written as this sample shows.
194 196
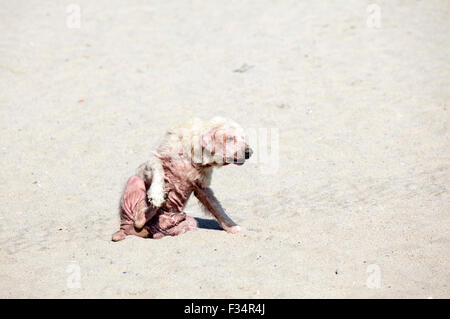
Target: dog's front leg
153 173
156 193
206 197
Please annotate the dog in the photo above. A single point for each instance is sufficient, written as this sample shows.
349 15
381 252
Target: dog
153 200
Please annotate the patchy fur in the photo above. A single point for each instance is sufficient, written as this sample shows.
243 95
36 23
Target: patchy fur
181 165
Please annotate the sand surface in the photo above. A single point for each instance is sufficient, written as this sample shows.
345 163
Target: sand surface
358 207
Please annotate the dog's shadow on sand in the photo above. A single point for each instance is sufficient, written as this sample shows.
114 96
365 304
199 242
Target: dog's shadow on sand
207 224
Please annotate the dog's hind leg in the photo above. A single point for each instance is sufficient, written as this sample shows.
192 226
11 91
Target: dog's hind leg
130 230
119 235
143 215
133 208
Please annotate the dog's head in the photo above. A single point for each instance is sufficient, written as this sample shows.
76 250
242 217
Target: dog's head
223 142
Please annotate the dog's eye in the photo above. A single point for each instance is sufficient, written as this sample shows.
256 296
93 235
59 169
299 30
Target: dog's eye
230 139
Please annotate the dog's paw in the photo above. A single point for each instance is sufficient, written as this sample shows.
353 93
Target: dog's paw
118 235
156 198
233 230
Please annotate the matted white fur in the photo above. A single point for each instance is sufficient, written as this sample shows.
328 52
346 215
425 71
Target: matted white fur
193 140
199 146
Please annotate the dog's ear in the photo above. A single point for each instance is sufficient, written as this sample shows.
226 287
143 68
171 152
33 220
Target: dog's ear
203 147
208 141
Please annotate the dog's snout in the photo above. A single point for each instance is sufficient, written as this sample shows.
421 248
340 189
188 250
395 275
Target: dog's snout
248 152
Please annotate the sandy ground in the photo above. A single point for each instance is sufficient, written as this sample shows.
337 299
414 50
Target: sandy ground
359 205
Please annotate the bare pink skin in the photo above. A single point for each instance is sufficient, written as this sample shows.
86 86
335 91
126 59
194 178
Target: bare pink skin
182 178
184 173
169 220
